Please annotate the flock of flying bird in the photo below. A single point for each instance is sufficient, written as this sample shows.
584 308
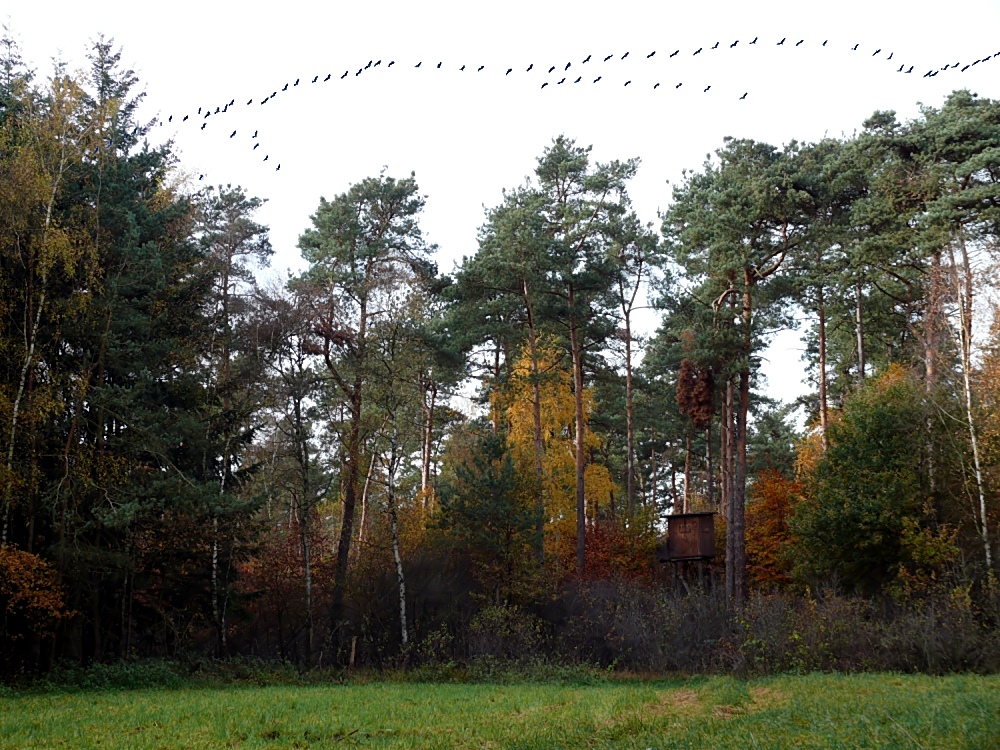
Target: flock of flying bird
204 113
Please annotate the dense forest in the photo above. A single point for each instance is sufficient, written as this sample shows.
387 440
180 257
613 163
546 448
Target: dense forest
196 462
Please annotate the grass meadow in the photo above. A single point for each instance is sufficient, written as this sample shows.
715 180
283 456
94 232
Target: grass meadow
818 710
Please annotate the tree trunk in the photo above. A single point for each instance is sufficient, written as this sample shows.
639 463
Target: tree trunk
739 494
653 478
536 415
426 490
32 334
216 616
305 503
737 536
709 468
687 471
351 462
725 427
728 485
494 409
307 565
629 419
581 528
931 326
364 505
394 530
964 297
824 416
860 330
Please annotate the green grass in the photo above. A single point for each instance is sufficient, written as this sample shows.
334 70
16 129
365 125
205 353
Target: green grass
821 711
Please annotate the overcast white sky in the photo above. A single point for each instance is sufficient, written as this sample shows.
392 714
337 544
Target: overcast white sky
468 134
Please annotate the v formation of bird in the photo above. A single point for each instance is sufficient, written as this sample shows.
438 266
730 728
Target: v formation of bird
903 69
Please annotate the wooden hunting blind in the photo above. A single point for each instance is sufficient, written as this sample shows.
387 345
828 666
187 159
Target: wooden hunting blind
690 536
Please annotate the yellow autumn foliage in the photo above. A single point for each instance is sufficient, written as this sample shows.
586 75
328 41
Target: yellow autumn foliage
515 402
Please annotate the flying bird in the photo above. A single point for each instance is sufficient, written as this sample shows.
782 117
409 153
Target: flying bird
419 64
480 68
782 41
910 70
568 64
608 58
890 55
754 40
462 68
876 51
255 147
900 68
285 87
656 87
707 88
963 69
675 52
378 63
315 79
203 125
744 96
562 81
391 63
697 51
249 102
597 79
185 118
368 65
231 102
854 48
678 85
716 46
545 84
578 79
625 55
201 177
343 76
734 44
799 42
552 68
216 110
327 77
627 82
651 54
267 157
297 80
439 65
825 41
588 58
529 68
254 134
199 110
358 73
233 134
170 119
508 71
277 168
